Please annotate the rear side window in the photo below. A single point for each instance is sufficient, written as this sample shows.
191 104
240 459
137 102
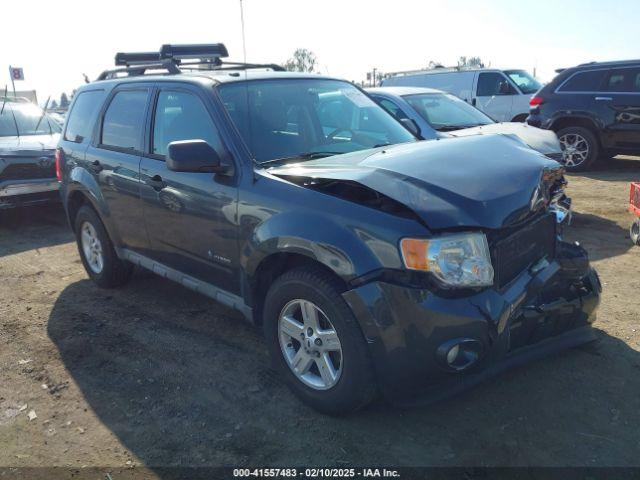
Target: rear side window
624 80
81 117
584 82
124 120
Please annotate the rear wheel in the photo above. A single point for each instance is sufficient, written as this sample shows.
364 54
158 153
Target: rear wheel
580 148
316 343
97 253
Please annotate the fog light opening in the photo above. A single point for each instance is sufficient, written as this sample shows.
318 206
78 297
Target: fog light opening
460 354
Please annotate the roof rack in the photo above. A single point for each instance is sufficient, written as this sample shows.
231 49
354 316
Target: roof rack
175 58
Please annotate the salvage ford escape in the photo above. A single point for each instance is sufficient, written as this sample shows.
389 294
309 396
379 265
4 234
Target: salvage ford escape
373 262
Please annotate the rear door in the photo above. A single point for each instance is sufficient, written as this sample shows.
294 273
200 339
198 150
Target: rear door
494 95
619 105
114 160
190 217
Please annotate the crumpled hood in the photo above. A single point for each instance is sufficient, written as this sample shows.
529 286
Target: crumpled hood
544 141
487 181
28 144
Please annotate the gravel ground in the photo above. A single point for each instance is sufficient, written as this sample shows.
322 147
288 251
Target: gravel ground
155 375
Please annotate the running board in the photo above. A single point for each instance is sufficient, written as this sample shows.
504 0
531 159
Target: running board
211 291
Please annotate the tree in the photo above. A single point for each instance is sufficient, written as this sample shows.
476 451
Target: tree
433 64
53 104
303 60
64 101
470 62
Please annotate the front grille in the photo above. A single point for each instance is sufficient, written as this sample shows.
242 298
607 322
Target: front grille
520 249
27 171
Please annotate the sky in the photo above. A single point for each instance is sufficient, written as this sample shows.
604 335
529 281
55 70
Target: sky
56 42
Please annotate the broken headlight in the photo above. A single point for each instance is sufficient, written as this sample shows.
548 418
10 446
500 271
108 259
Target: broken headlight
458 260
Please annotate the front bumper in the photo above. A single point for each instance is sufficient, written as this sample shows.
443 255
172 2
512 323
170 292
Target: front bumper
536 314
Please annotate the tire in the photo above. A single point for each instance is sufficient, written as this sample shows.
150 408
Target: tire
111 272
354 385
577 138
634 232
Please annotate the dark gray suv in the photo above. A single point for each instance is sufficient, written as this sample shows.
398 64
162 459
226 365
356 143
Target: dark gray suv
372 261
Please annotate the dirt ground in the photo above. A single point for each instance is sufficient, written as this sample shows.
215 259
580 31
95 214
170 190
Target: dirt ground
156 375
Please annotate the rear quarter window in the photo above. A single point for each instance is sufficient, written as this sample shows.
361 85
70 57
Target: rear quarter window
82 115
584 82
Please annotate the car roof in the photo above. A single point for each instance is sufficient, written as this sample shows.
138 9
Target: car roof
402 91
218 76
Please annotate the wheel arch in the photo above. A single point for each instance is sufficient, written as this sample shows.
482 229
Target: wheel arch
577 121
273 266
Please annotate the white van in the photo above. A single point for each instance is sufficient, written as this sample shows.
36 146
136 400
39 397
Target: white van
502 94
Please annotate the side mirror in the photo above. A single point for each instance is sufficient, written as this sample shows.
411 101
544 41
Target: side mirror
504 88
411 125
193 156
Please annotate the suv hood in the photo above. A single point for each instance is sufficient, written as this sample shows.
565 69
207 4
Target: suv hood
28 143
544 141
477 181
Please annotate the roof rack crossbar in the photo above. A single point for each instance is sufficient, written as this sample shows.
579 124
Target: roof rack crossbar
140 69
174 57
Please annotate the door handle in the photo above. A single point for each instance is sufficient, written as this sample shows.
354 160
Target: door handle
156 183
96 166
603 99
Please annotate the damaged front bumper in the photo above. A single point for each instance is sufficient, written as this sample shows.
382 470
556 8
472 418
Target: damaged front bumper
411 330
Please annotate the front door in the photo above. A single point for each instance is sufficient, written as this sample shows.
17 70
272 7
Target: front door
619 106
190 217
494 95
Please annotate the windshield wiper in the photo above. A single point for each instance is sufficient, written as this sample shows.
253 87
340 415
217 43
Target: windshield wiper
449 128
300 157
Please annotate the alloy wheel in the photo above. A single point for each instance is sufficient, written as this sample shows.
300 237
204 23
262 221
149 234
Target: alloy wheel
91 247
310 344
575 149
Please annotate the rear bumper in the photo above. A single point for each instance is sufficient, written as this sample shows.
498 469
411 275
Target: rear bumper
535 315
27 192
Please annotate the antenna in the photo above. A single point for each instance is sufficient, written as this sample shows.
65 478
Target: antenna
244 42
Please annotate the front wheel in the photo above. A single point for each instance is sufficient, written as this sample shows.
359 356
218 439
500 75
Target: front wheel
316 343
634 232
97 253
580 148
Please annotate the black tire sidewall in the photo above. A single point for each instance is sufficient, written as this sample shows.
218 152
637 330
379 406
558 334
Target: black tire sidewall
594 147
111 261
355 386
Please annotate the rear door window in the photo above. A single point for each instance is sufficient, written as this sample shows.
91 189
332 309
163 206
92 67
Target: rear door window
82 115
584 82
124 120
624 80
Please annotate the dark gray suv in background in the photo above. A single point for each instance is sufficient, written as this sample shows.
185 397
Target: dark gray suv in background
372 261
595 110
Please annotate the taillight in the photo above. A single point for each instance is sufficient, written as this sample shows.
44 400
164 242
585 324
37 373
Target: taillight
535 101
58 166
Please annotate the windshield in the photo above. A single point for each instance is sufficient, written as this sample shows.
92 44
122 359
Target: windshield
287 118
446 112
20 119
525 82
